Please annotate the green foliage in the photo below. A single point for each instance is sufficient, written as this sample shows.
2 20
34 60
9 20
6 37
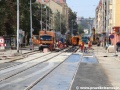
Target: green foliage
80 29
57 21
8 16
25 15
72 22
60 23
46 13
33 1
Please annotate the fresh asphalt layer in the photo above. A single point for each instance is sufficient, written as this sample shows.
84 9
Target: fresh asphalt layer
90 74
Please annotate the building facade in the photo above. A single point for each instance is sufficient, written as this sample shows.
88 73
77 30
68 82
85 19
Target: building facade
57 5
108 20
115 21
98 19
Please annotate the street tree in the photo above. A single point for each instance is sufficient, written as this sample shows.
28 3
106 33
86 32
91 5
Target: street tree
60 24
80 29
7 17
72 22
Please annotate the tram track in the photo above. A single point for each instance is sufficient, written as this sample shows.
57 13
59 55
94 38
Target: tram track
28 54
45 75
25 63
14 64
26 69
33 66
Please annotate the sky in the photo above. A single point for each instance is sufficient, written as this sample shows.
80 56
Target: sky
85 8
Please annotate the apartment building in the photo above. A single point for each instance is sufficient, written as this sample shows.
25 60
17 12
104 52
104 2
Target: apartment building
98 19
108 20
115 20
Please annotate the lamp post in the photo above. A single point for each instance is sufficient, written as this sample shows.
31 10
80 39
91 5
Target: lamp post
18 26
53 21
72 29
46 17
41 17
60 23
31 44
90 25
49 16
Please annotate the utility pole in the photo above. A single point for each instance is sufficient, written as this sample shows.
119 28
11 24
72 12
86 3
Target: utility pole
49 16
41 16
72 28
60 23
18 26
46 18
31 44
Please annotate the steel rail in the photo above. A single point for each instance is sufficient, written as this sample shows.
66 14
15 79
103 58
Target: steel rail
32 66
45 75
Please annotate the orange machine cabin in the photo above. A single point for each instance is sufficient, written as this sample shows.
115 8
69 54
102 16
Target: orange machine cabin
51 33
75 40
47 40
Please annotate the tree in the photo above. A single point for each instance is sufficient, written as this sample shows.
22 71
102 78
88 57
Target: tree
57 21
72 22
60 23
80 29
8 17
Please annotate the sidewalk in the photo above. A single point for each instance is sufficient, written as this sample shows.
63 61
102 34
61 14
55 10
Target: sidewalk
110 63
11 55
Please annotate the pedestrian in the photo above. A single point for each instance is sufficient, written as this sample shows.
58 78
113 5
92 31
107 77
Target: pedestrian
82 46
89 44
85 49
98 41
117 46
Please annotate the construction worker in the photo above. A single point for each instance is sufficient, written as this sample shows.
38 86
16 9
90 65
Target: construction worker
89 44
82 46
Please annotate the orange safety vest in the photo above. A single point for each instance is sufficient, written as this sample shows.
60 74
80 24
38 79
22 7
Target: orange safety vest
82 46
89 44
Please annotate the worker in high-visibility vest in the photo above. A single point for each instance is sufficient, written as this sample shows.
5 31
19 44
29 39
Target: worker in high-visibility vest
89 44
82 46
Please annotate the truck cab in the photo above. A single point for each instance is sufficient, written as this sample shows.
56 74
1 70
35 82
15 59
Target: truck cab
47 40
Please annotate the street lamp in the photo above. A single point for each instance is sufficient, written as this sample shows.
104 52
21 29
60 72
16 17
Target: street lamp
41 17
72 29
49 16
31 44
53 22
46 16
60 23
18 26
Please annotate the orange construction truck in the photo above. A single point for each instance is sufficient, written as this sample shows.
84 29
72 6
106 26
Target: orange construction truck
47 40
75 40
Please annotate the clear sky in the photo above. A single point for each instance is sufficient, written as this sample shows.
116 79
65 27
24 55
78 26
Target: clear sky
85 8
